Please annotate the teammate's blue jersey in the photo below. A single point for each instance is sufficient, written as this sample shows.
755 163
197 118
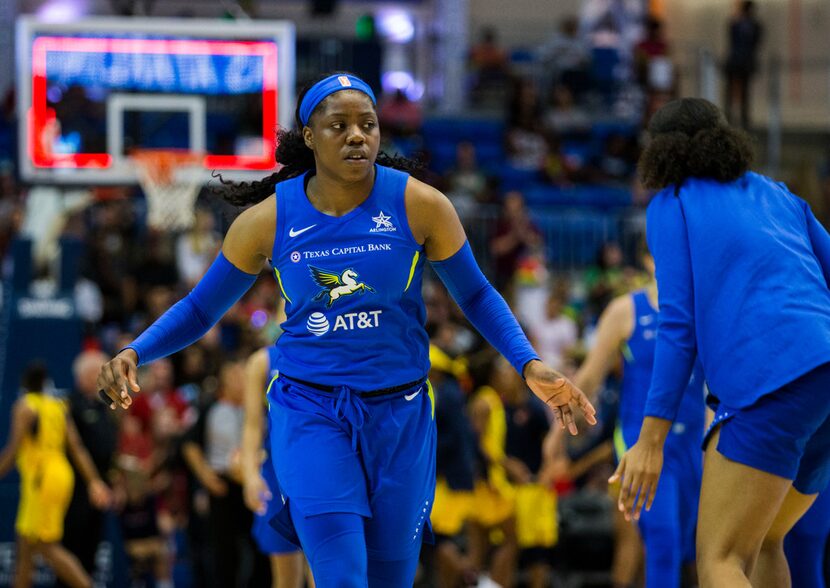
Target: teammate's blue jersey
639 360
272 364
352 286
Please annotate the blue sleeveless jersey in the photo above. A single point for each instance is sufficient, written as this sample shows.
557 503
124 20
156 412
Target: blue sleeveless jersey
273 371
638 357
352 287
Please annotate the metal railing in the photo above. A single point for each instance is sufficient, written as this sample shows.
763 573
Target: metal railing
572 236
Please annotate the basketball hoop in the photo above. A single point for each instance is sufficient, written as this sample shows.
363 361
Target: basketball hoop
171 181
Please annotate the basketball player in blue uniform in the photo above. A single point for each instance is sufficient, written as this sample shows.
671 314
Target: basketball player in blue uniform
259 480
742 268
628 328
352 428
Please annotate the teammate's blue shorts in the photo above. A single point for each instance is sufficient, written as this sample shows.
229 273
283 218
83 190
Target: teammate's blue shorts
340 452
267 538
785 433
806 544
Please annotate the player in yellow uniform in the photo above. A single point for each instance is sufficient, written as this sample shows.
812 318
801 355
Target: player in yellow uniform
41 434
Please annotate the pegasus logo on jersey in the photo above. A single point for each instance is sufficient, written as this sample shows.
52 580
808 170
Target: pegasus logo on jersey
318 325
383 224
336 285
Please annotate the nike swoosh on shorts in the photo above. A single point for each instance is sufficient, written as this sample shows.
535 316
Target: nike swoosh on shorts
413 395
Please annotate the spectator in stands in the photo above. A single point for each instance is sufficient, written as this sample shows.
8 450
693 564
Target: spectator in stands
557 332
488 63
157 266
525 144
560 169
160 395
566 57
399 116
211 449
196 249
564 117
466 183
98 431
110 250
12 212
648 53
654 68
516 235
605 280
745 33
144 542
618 160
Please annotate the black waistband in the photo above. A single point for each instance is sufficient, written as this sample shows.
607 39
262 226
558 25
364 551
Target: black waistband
369 394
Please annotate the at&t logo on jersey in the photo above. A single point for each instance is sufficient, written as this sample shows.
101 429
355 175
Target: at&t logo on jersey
383 224
318 325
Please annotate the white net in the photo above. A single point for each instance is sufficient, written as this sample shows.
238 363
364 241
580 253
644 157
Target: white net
171 181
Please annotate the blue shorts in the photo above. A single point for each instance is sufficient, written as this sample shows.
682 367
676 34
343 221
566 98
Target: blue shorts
339 452
267 538
785 433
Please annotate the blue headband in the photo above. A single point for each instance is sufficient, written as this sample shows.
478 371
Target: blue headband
322 89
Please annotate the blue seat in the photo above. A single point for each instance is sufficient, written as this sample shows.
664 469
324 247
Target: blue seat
516 179
604 196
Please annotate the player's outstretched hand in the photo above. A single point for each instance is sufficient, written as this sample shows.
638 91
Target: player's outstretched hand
99 495
560 394
638 474
117 377
256 493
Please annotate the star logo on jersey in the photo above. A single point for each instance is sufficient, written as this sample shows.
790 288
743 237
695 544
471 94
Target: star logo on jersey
383 224
336 285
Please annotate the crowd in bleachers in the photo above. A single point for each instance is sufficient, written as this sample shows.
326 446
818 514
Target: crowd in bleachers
548 194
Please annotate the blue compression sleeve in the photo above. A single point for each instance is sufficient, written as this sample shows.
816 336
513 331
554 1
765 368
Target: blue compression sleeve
484 307
192 316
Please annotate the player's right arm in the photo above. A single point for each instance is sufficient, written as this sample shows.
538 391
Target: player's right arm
614 327
23 419
247 245
256 491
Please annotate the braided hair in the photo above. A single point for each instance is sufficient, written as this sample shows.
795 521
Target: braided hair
296 159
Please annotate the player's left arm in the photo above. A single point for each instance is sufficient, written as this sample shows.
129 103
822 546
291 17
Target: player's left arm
435 223
99 492
248 243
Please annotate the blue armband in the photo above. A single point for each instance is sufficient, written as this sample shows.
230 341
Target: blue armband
192 316
484 307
